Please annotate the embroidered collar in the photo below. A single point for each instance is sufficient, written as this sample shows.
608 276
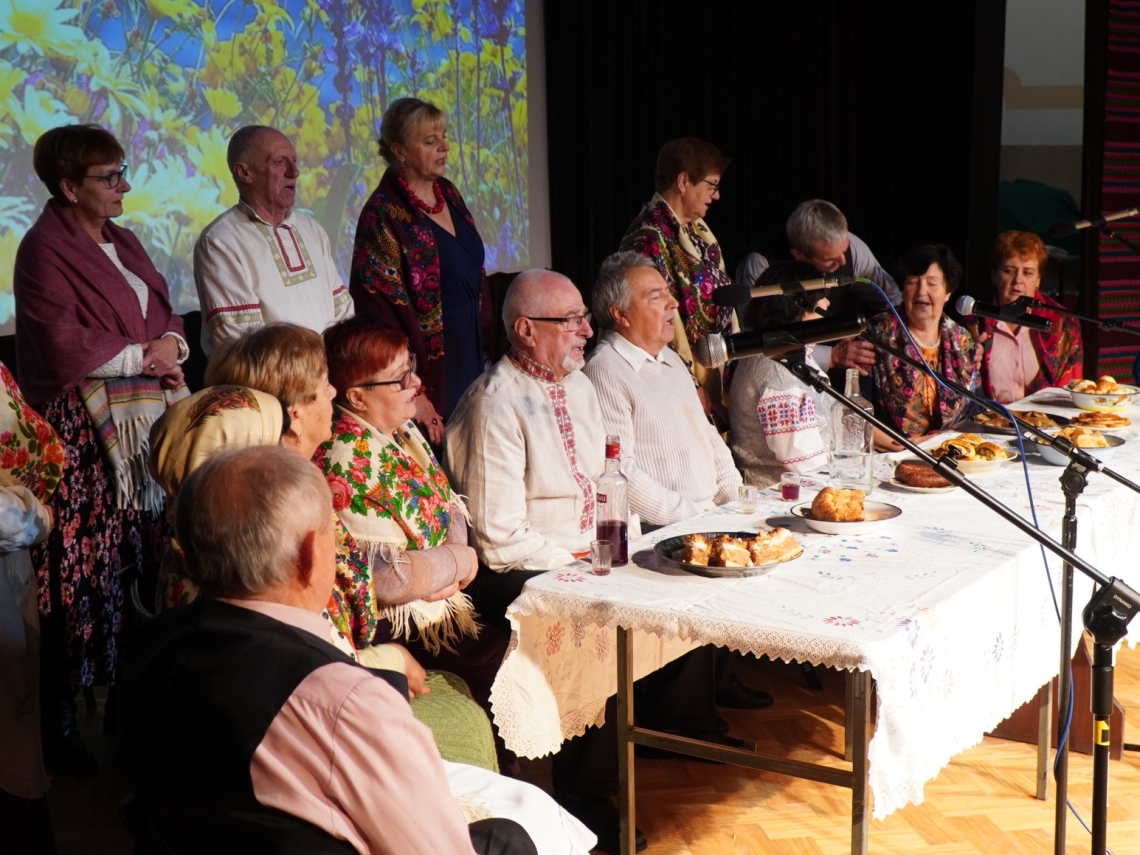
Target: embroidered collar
528 366
253 215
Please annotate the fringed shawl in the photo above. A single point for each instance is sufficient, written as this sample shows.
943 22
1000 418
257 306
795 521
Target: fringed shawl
391 495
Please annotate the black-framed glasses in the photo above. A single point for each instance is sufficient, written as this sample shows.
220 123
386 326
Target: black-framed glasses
569 323
403 381
111 179
715 185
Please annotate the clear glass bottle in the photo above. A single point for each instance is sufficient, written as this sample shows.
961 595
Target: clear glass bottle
613 504
852 449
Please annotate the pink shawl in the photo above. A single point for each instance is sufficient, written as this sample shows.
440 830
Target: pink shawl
74 309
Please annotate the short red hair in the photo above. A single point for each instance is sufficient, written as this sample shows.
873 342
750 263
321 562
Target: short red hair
1019 245
358 349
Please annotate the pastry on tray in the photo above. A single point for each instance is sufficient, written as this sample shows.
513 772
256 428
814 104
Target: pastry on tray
1083 437
919 475
1102 420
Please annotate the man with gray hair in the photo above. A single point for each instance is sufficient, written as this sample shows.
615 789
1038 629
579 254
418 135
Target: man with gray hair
676 462
816 233
246 725
262 260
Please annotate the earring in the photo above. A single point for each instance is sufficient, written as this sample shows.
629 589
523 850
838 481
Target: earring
74 200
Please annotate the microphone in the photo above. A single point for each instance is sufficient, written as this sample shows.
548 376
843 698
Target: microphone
1031 303
1011 314
734 295
1061 230
714 350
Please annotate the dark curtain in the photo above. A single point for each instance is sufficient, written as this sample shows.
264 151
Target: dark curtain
891 110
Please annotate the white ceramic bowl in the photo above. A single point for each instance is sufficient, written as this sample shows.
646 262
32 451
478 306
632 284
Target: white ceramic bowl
877 514
1051 455
1104 403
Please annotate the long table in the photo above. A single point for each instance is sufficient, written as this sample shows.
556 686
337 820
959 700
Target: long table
947 608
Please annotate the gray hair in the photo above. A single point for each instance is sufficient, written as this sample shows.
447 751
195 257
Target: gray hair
612 288
816 222
243 515
241 144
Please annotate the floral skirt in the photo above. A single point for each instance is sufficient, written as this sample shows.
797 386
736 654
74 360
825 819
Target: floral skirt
82 601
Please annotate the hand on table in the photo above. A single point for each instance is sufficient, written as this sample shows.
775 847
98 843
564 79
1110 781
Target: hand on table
882 442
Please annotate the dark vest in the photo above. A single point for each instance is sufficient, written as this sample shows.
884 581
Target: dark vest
201 685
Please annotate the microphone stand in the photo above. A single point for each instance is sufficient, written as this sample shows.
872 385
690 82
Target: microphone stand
1106 616
1111 326
1073 481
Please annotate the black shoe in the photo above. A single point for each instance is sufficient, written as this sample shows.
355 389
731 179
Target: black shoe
64 750
650 753
738 696
601 817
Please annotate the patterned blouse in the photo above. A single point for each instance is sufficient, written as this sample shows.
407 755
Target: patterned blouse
909 399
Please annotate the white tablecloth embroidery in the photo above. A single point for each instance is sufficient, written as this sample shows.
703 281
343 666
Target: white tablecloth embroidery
948 607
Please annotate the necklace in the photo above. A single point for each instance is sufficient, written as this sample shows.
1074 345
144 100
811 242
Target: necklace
420 203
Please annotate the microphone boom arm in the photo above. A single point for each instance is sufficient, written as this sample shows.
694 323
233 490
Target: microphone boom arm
1112 326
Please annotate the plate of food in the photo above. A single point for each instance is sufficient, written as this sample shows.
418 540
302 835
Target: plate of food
916 476
835 511
975 454
1099 445
1101 421
730 553
997 423
1103 395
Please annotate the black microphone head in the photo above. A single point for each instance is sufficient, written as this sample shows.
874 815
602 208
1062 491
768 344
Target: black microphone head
709 350
731 296
1062 230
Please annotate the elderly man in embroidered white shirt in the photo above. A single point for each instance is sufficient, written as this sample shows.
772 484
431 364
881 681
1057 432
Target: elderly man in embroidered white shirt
526 442
262 260
676 462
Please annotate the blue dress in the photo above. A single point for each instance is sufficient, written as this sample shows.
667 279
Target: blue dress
460 274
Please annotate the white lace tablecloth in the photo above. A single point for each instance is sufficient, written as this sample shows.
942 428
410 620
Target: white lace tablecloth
947 606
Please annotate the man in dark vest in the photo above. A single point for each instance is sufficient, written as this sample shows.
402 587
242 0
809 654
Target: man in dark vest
244 725
816 233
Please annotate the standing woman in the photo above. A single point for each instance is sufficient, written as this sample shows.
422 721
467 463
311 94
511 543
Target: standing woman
99 351
418 261
671 231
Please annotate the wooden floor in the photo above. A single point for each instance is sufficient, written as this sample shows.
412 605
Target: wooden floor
981 803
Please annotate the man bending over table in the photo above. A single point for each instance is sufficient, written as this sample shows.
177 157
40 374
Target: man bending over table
525 445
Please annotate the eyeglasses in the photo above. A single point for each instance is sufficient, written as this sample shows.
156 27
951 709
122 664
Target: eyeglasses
403 381
569 323
111 179
715 185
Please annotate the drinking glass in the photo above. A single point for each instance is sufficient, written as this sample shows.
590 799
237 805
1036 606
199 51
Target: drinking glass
747 497
601 557
790 486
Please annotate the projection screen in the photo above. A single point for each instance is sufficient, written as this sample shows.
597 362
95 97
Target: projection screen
172 79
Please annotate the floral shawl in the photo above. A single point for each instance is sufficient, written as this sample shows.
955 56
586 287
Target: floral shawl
391 495
395 275
1059 351
30 452
897 385
690 260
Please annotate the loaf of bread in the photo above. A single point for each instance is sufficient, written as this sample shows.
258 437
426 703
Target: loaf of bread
919 475
838 505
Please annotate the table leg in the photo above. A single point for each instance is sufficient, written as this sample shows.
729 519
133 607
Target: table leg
626 783
848 717
1044 740
859 727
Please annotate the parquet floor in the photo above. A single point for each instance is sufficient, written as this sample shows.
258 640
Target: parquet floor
981 803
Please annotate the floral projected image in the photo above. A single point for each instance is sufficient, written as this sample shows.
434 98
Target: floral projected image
172 79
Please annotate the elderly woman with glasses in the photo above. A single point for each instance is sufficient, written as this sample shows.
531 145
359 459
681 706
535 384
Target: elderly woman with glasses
99 350
406 526
671 231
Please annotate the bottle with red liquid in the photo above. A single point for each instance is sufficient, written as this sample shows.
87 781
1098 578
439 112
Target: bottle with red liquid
613 504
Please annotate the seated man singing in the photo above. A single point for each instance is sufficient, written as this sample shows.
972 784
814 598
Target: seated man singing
675 460
246 725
